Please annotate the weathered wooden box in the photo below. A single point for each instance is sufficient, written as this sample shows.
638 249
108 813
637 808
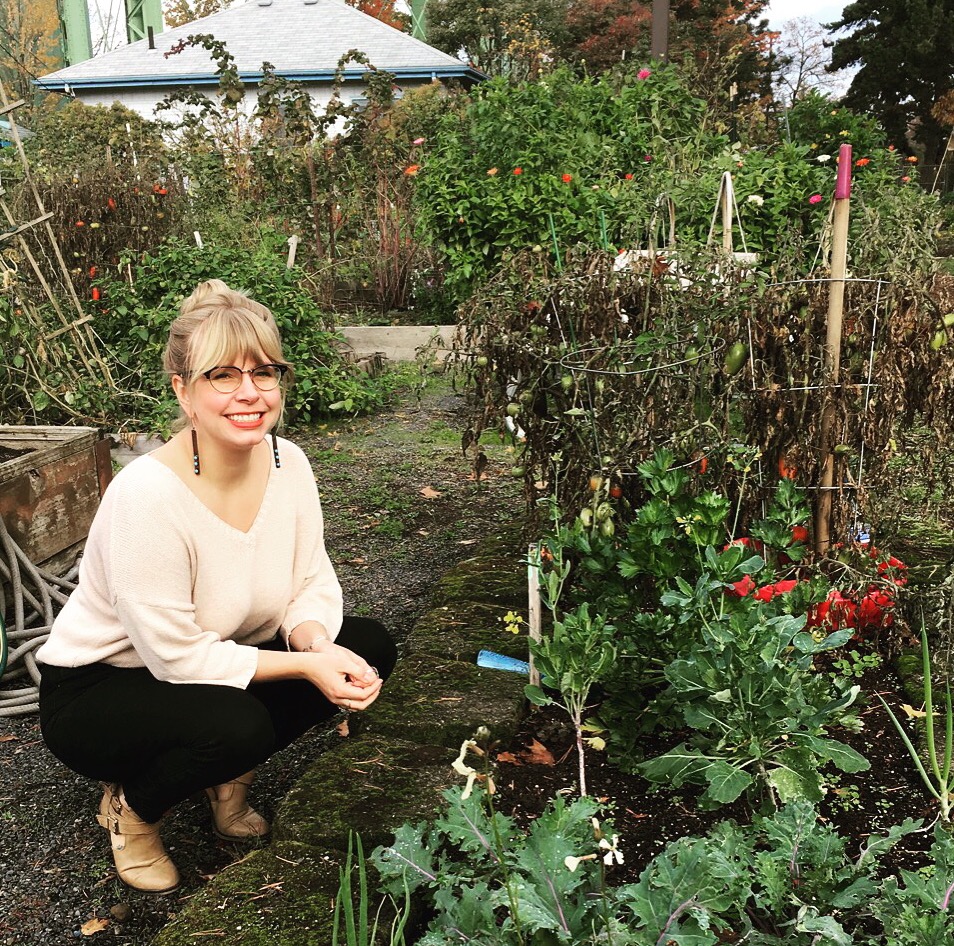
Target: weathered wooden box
51 482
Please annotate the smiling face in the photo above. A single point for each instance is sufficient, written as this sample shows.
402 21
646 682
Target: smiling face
233 421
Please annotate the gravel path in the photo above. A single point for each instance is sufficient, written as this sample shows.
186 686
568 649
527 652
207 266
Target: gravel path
400 509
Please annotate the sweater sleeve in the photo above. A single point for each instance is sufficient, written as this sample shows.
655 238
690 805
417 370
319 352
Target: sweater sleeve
152 562
316 593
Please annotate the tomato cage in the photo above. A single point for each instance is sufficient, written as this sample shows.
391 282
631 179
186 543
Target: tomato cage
812 402
650 391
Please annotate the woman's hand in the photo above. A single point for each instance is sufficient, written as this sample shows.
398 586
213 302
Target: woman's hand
346 679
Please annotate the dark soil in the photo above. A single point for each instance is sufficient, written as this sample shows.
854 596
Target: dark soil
648 817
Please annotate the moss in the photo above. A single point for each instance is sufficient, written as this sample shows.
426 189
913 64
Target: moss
282 894
458 631
909 667
372 786
442 702
490 579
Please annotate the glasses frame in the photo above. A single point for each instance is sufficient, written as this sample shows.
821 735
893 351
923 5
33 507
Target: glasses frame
282 370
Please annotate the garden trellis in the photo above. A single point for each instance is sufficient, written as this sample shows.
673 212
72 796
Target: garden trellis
59 351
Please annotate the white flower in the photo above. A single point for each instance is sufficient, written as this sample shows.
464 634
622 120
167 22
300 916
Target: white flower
572 862
462 768
612 851
623 317
756 199
823 158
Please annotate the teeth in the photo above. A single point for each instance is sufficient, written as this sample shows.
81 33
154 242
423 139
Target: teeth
244 418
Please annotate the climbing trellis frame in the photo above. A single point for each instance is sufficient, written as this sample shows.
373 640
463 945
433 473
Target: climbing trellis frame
64 352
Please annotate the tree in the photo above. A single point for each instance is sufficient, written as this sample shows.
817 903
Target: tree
179 12
904 51
803 58
384 11
500 37
29 45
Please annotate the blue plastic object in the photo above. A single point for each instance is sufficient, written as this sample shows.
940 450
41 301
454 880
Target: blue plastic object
487 658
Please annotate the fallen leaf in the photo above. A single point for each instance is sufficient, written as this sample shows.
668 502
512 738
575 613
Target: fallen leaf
7 737
95 925
539 754
423 532
535 754
357 561
467 542
912 713
343 730
429 492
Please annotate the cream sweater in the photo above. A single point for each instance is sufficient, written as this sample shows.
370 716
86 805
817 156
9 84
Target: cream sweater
166 584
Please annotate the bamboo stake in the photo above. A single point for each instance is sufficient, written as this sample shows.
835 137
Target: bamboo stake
832 351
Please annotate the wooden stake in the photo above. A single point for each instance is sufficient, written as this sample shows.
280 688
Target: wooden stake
832 352
534 613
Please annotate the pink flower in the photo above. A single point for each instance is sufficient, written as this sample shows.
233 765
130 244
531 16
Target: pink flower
647 157
644 73
815 199
418 141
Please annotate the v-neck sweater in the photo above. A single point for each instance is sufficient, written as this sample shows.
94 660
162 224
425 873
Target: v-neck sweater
164 583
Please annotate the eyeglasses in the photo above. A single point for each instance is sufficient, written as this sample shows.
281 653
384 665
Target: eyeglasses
227 379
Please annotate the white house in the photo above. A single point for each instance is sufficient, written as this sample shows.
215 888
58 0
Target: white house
302 39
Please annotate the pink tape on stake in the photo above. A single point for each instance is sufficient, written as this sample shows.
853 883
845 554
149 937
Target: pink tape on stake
843 182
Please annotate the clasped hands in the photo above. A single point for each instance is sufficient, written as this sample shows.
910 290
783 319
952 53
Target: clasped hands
346 679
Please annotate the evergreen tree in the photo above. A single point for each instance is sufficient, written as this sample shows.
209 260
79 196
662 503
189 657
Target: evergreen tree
905 51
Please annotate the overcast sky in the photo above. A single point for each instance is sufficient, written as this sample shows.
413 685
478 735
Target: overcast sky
822 11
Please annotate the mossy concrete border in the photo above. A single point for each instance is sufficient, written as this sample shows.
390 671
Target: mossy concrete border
392 769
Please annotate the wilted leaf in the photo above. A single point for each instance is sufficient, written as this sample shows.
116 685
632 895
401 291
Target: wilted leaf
911 712
429 492
342 729
95 925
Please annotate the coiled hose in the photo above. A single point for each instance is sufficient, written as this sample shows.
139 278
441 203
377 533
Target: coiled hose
36 594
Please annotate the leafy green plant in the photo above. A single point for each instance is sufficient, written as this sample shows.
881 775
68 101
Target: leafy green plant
855 665
488 882
571 660
786 879
748 691
937 774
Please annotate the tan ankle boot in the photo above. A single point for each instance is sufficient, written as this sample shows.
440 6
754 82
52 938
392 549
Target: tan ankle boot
232 817
141 860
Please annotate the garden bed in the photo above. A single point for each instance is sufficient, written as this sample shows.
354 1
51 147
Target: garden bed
647 817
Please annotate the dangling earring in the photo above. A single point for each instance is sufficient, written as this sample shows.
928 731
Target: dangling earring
278 462
195 453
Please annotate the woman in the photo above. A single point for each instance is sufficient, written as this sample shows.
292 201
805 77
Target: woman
206 632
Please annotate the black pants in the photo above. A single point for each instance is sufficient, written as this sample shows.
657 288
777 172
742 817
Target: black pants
166 741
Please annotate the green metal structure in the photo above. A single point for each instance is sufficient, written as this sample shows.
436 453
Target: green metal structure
77 42
418 20
140 16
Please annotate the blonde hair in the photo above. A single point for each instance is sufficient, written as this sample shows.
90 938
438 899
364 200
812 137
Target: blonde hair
219 326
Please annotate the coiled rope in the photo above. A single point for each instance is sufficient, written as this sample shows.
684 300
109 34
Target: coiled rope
35 596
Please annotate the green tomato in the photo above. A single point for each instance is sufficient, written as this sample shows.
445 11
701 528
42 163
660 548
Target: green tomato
517 472
735 358
513 409
566 382
482 361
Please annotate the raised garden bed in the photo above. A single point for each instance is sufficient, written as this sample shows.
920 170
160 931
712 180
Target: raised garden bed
51 482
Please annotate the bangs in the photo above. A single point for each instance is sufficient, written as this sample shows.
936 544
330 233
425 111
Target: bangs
228 336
